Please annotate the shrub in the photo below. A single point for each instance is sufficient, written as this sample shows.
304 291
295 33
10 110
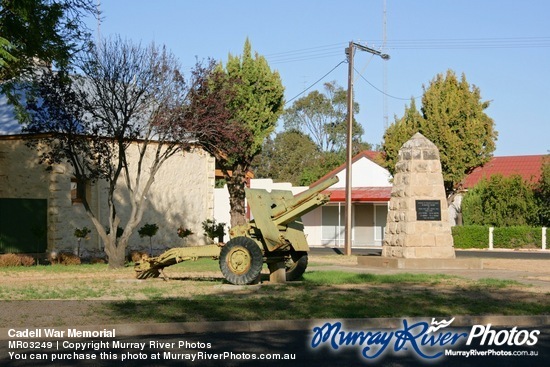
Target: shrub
213 230
500 202
136 256
517 237
16 260
82 232
474 236
148 230
70 259
10 260
184 232
64 258
26 260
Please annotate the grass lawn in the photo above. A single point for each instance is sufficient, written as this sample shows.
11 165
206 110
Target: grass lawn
85 294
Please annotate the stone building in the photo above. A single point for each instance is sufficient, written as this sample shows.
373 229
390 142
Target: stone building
40 207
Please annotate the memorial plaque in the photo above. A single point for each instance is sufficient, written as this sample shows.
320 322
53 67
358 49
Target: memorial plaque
428 210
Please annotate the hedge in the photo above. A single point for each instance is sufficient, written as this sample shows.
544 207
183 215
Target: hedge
475 236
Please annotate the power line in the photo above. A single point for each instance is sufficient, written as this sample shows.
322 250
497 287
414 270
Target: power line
383 92
470 43
304 57
305 50
404 44
416 44
311 86
305 54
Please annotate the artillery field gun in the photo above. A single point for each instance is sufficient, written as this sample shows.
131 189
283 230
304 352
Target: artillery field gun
274 236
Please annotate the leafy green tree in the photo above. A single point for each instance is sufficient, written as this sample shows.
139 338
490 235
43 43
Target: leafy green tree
542 193
326 162
501 202
398 133
285 158
6 58
453 118
257 99
323 116
51 31
149 230
293 157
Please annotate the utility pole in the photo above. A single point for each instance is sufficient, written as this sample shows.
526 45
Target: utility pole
349 141
349 151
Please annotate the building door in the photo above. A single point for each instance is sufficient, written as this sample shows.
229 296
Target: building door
380 218
23 225
363 228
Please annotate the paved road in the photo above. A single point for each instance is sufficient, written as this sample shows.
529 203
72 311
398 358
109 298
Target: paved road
495 254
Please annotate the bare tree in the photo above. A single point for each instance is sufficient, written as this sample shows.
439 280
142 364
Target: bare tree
125 101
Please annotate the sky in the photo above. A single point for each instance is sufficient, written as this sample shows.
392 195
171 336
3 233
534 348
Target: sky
501 46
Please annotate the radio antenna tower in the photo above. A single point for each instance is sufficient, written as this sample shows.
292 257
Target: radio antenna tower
385 96
98 22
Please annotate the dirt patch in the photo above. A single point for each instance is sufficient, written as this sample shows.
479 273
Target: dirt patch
533 266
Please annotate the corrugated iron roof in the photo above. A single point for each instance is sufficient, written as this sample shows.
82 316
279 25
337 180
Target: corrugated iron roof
360 194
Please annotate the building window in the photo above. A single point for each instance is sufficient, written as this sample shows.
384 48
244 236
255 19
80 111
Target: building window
78 190
333 232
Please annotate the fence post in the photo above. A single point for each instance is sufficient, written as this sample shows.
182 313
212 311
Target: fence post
544 238
491 229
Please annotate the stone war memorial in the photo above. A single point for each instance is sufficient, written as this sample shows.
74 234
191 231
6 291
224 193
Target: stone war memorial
418 231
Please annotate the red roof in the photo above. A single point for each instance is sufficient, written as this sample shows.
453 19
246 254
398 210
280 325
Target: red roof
360 194
527 166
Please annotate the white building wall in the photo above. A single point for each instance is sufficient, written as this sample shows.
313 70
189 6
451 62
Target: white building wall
365 173
222 209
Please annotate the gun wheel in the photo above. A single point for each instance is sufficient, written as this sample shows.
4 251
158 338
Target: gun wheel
241 261
296 265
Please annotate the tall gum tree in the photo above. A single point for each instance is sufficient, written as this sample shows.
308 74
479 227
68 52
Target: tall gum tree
323 116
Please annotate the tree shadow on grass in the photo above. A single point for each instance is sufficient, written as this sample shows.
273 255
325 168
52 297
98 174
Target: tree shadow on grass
305 301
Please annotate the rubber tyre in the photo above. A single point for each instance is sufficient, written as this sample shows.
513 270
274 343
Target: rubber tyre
241 261
297 266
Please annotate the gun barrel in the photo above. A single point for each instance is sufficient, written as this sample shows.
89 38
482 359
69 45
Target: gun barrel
303 197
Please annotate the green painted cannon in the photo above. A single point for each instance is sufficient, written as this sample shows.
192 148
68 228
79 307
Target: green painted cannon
275 236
